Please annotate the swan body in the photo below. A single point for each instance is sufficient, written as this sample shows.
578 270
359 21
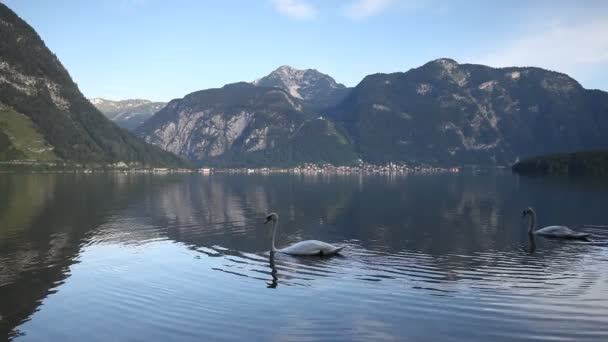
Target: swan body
561 232
310 247
304 248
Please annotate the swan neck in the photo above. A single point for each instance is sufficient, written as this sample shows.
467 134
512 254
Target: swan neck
275 223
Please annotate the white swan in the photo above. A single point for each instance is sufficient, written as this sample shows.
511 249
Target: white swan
552 231
308 247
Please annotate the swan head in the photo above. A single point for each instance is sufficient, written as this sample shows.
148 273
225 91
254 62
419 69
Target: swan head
528 211
271 217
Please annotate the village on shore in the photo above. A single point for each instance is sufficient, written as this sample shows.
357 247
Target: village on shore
361 168
308 169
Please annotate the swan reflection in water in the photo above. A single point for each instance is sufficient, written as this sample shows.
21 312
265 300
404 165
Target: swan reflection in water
273 272
531 246
298 270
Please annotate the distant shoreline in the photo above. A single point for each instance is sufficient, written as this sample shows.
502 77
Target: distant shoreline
389 168
584 163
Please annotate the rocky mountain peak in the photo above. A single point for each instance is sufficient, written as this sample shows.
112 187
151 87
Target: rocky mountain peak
447 69
97 101
314 88
289 72
446 63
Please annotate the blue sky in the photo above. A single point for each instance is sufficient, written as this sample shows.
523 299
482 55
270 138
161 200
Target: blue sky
160 50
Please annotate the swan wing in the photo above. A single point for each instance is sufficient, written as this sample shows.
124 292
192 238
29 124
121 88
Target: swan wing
311 247
554 230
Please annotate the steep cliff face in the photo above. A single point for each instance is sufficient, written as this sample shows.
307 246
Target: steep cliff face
239 124
128 114
37 94
450 113
316 91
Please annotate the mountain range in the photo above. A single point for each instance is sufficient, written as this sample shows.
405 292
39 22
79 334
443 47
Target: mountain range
127 114
441 113
45 117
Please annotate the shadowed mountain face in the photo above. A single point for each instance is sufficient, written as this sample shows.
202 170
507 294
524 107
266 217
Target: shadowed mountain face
317 91
245 125
450 113
38 97
128 114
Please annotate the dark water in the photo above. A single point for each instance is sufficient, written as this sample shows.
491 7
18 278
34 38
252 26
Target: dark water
431 257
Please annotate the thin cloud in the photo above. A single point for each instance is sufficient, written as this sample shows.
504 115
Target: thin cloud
559 47
297 9
361 9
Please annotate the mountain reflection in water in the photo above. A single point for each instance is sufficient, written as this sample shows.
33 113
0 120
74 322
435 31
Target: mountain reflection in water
187 257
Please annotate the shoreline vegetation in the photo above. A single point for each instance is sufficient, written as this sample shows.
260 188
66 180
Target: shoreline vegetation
584 163
309 168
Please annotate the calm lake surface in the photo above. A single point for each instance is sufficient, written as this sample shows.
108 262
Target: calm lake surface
114 257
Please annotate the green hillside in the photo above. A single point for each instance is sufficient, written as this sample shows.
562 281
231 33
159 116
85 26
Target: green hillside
34 83
20 140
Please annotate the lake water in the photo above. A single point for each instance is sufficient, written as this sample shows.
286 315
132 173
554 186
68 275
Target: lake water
114 257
